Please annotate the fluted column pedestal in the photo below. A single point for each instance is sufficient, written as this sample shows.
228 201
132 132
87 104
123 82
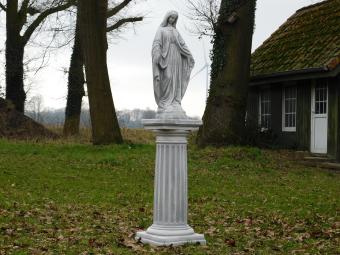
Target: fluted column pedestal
171 185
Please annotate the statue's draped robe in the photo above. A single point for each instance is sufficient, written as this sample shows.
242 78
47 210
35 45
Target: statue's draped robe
172 63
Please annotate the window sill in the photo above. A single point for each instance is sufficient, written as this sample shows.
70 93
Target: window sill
289 130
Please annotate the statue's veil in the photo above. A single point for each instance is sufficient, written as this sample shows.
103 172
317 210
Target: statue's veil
167 16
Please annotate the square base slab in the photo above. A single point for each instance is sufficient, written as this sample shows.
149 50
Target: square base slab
154 240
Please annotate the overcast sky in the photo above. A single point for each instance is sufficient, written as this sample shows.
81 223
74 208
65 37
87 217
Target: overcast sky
129 59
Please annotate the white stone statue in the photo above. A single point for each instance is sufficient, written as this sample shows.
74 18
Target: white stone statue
172 65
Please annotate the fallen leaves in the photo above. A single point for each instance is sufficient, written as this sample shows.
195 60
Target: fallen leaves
70 227
230 242
93 200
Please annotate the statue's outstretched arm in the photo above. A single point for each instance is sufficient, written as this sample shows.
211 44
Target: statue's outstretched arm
185 51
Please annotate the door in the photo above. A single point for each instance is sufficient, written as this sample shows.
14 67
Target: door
319 120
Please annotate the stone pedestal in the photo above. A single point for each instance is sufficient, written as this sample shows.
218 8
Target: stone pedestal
171 185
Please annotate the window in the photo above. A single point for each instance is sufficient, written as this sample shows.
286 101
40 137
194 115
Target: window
321 99
289 109
265 110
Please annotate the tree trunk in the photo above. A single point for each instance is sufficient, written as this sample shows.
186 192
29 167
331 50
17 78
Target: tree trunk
14 58
93 23
224 116
75 91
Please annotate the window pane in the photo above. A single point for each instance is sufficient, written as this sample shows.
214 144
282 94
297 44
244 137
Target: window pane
265 111
324 105
289 107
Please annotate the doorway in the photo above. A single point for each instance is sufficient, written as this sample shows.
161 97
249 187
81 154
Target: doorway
319 118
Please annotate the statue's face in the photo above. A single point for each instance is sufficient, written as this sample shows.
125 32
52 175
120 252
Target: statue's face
172 20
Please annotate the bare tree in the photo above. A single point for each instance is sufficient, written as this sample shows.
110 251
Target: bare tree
35 108
119 17
118 20
93 30
204 14
23 18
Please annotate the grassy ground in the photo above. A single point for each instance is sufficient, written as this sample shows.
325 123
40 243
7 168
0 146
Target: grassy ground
73 198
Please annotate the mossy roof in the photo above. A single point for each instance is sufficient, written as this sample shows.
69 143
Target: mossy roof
307 40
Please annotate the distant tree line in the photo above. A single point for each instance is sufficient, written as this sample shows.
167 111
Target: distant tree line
56 117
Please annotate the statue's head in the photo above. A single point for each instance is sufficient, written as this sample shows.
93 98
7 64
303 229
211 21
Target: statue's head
170 19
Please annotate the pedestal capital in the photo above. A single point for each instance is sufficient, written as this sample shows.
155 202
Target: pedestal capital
185 125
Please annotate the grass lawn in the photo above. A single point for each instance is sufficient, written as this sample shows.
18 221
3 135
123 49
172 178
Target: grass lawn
73 198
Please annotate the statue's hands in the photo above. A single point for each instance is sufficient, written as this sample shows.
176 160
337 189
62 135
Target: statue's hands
157 59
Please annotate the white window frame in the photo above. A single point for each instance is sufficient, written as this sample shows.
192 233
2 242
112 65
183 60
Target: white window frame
263 129
284 128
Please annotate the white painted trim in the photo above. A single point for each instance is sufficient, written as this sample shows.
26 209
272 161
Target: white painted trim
312 117
288 129
284 128
312 149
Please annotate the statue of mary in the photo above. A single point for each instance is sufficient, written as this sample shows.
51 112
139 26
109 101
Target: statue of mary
172 65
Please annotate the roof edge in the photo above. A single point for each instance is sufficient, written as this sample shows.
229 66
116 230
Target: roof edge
311 6
287 73
302 74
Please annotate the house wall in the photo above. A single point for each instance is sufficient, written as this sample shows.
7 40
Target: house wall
253 107
303 115
282 139
333 117
300 139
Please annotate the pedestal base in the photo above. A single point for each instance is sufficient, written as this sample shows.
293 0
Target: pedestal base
166 236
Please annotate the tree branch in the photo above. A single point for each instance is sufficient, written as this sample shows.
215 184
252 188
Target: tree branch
122 22
2 7
24 7
23 12
118 8
42 16
204 14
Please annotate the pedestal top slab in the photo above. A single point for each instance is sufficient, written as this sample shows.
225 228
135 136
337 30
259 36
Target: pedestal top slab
172 124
